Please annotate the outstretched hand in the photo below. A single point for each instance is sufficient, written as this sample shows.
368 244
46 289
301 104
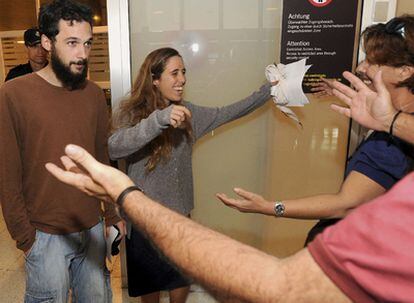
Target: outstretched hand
251 202
88 175
372 109
322 88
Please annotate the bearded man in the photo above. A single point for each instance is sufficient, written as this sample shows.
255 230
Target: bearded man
61 235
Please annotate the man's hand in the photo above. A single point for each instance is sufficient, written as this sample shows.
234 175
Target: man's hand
372 109
251 202
179 114
323 88
88 175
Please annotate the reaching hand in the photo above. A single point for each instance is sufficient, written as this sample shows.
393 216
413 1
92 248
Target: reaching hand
179 114
323 88
372 109
251 202
88 175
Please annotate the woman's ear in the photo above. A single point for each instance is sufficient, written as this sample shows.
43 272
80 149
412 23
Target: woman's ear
156 82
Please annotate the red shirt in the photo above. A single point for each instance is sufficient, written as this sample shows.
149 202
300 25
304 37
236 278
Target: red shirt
370 254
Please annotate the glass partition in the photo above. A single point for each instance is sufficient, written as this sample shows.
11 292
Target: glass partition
226 44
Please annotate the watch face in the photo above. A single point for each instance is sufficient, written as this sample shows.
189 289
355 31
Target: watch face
279 209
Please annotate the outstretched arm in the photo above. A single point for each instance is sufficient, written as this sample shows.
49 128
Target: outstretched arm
230 270
207 119
372 109
356 189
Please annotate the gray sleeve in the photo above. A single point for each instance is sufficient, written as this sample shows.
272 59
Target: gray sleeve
128 140
206 119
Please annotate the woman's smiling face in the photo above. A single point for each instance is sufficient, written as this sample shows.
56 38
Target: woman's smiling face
172 80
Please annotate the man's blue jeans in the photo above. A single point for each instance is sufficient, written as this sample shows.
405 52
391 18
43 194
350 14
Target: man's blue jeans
57 263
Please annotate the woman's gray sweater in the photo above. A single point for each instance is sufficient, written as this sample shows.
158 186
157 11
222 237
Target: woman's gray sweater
171 181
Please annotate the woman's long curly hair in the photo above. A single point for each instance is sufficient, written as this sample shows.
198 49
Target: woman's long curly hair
391 44
146 98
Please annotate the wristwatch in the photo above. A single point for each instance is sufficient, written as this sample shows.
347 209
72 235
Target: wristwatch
279 209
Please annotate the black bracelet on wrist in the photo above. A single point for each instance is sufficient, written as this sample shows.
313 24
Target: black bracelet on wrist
393 121
126 191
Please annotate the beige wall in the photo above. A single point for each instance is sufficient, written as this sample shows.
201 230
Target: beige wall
303 162
290 162
17 14
21 14
405 7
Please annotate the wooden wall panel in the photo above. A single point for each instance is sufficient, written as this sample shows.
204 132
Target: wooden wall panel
17 14
99 58
14 52
21 14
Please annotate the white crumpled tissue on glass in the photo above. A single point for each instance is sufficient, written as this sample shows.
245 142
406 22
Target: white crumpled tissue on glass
288 90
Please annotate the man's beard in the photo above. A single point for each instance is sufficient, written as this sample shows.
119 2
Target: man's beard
69 80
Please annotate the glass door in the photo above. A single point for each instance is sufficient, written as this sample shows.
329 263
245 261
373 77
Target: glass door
226 44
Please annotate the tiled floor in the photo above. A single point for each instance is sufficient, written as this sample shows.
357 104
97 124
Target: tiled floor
12 277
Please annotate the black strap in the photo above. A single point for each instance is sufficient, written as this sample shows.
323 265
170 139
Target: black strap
125 192
393 121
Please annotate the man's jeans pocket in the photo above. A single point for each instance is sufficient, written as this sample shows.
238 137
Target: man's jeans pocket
33 246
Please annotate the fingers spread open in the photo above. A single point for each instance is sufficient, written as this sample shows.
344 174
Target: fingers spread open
81 156
357 83
379 84
343 89
342 110
222 197
69 164
244 193
226 200
54 170
74 177
67 177
328 82
342 96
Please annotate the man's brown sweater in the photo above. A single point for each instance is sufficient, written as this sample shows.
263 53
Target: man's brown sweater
37 120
